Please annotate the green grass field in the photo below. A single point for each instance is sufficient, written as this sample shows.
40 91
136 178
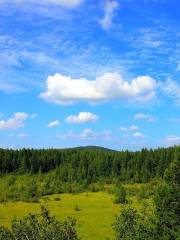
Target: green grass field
94 220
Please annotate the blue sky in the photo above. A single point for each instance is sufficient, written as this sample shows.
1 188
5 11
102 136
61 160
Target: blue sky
86 72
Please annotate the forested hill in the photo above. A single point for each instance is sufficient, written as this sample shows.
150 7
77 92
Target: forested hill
90 163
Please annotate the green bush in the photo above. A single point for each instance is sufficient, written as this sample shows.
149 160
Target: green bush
120 195
132 225
57 199
77 208
40 227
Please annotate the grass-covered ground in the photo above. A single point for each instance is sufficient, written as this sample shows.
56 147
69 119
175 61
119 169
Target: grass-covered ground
95 212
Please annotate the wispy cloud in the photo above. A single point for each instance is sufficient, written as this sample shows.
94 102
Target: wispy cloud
129 128
87 134
172 89
53 124
174 120
147 117
23 135
110 9
10 88
64 3
172 140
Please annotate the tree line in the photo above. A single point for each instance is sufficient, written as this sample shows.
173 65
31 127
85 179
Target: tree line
89 164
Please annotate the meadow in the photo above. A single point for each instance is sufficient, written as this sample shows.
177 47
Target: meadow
94 212
92 186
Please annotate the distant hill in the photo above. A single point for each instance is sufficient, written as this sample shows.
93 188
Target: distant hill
95 148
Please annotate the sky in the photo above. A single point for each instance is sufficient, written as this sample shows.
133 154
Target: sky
88 72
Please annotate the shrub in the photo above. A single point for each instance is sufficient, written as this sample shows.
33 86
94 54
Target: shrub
131 225
120 195
40 227
77 208
57 199
125 225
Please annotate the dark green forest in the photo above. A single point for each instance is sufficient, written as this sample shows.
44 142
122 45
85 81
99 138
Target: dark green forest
90 164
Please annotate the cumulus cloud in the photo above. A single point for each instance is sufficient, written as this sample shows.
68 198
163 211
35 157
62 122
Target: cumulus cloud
148 117
65 90
172 140
130 128
82 117
53 124
110 9
17 121
138 135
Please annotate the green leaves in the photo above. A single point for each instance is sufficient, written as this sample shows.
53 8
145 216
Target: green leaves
133 225
120 194
40 227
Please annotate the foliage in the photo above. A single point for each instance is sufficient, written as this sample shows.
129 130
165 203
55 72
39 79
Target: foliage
88 165
120 194
40 227
133 225
125 225
167 203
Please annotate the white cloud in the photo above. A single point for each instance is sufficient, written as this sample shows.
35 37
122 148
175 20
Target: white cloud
172 140
17 121
175 120
10 88
133 127
23 135
82 117
21 116
53 124
123 129
10 135
110 9
106 135
34 115
65 90
178 67
130 128
1 115
67 135
138 135
148 117
172 89
88 134
64 3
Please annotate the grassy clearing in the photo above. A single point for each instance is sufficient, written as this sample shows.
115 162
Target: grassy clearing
95 212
